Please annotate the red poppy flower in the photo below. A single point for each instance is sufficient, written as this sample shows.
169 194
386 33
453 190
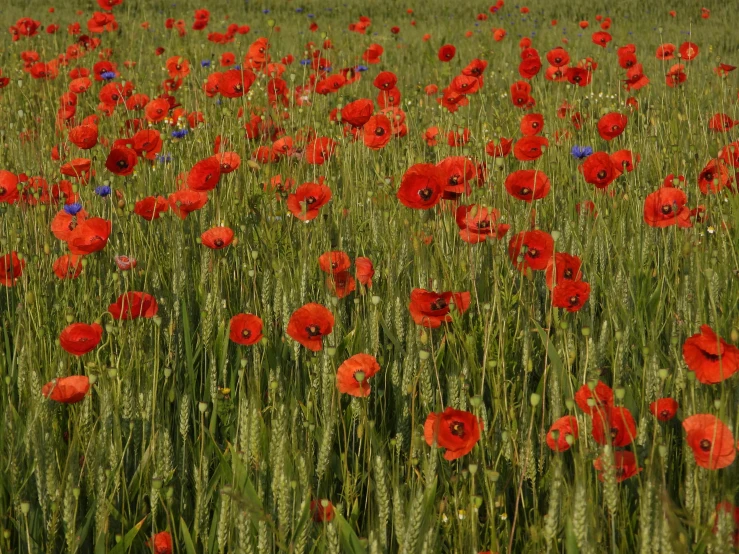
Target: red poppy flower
125 263
133 305
11 268
528 184
456 172
500 150
531 250
478 223
245 329
721 123
162 543
364 271
447 52
602 394
611 125
385 80
307 200
9 193
89 236
234 83
455 430
625 160
205 174
68 266
431 309
321 513
714 177
121 160
184 202
334 262
357 113
688 51
664 409
341 284
558 57
84 136
63 223
710 357
624 462
676 75
599 170
570 295
566 266
711 440
529 149
665 51
421 187
352 376
557 437
530 67
151 207
80 338
614 426
319 150
578 76
67 390
666 207
156 110
532 124
377 132
147 143
309 324
601 38
466 84
217 237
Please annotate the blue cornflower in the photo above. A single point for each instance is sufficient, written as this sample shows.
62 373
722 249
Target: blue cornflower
163 159
299 10
103 191
179 133
265 11
581 152
361 68
73 209
108 75
237 66
305 62
310 15
205 63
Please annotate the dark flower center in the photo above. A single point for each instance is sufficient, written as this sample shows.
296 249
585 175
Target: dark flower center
568 273
614 430
313 330
602 174
532 252
310 200
665 414
708 176
426 193
573 302
238 88
577 78
379 131
246 333
484 224
525 190
666 209
705 445
457 429
218 242
123 164
535 125
439 304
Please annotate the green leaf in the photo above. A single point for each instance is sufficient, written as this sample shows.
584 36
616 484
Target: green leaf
186 537
349 540
127 541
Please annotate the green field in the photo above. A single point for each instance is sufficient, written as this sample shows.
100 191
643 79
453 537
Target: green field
300 277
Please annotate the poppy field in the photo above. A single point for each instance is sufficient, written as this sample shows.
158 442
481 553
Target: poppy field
363 277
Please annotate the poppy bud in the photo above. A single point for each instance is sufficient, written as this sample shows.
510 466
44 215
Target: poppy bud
423 355
376 300
535 399
662 373
112 372
92 379
202 407
476 401
717 403
585 331
663 451
25 508
619 392
735 335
